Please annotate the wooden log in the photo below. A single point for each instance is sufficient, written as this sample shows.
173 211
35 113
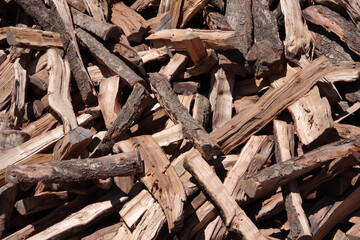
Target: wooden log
221 96
298 38
268 179
98 9
194 47
12 138
344 71
164 6
22 153
154 54
64 25
42 125
7 81
192 130
175 65
332 21
110 232
108 59
238 14
100 28
87 215
3 56
40 80
284 150
3 34
59 90
133 24
215 39
175 12
204 66
338 211
17 108
122 164
134 106
99 72
189 9
169 135
130 55
233 216
33 38
78 4
160 178
201 110
353 232
9 193
215 20
110 99
266 55
312 116
241 127
346 130
40 202
142 5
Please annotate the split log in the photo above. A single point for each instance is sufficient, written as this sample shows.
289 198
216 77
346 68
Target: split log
132 24
204 66
175 65
298 38
9 193
40 80
42 125
108 59
98 9
192 130
154 54
87 215
332 21
123 164
22 153
284 150
17 108
142 5
239 16
311 115
100 28
164 6
233 216
353 232
190 8
241 127
169 135
249 86
194 47
40 202
175 12
134 106
201 110
129 54
110 99
64 25
215 39
32 38
344 71
221 96
338 211
98 72
268 179
266 55
78 4
7 81
185 88
160 178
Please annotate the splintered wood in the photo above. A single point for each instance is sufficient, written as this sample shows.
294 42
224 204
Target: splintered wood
179 119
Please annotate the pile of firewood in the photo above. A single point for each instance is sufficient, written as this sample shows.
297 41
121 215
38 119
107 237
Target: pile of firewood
179 119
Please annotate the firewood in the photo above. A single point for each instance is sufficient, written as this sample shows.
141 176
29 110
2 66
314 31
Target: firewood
3 34
221 96
336 213
215 39
9 193
215 20
265 55
108 59
32 38
12 138
110 99
43 201
109 232
64 25
130 54
134 209
123 164
17 108
249 86
78 4
40 79
154 54
100 28
2 56
244 102
190 8
344 71
25 151
354 232
233 216
134 106
133 24
238 14
204 66
169 135
299 225
142 5
194 47
175 65
42 125
298 38
98 9
164 6
353 9
201 110
267 180
7 81
89 214
98 72
175 12
332 21
169 191
349 111
192 130
346 130
241 127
